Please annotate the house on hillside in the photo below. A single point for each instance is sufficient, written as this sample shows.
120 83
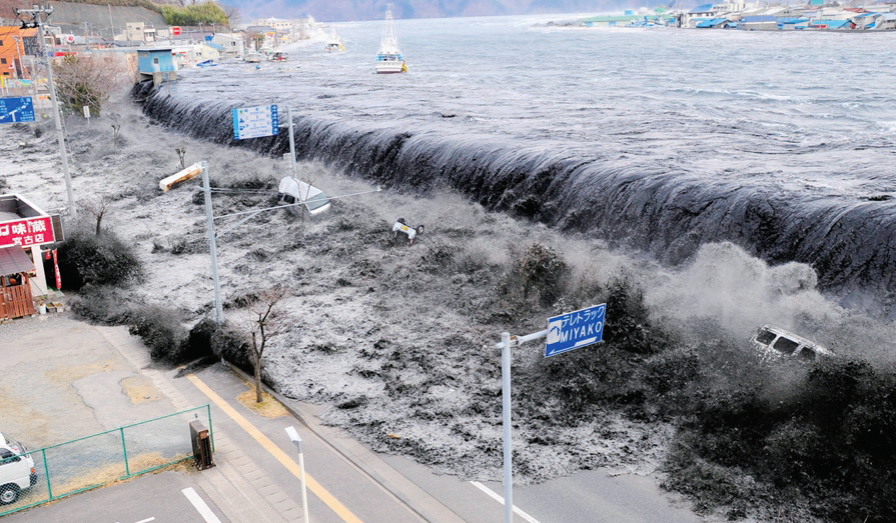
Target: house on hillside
137 32
102 19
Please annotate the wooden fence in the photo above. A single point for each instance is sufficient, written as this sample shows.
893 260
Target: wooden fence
16 301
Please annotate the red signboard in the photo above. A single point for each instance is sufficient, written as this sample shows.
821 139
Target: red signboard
56 267
175 31
26 232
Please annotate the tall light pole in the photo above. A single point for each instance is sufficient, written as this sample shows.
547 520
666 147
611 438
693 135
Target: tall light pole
60 134
297 441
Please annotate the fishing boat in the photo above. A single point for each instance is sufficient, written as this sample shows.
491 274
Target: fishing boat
334 43
389 59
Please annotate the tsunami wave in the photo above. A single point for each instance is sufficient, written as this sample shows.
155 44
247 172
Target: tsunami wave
847 240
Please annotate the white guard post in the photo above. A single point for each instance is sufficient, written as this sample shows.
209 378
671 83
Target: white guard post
508 342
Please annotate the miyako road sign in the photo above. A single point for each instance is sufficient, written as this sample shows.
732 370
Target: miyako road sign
572 330
252 122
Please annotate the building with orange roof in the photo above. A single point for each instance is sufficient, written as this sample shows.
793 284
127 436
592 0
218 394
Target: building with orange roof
13 45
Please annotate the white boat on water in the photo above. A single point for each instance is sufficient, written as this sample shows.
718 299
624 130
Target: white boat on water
255 57
334 43
389 59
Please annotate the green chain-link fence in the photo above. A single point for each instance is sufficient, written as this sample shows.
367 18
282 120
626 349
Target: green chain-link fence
93 461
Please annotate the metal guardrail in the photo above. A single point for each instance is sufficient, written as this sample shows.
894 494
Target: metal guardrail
99 459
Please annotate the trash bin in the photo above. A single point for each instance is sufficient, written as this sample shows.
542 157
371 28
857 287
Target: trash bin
202 445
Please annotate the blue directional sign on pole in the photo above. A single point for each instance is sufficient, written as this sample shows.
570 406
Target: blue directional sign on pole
14 110
252 122
575 329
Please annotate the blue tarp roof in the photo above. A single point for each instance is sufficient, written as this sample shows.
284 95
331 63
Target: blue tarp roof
832 24
712 22
759 18
705 8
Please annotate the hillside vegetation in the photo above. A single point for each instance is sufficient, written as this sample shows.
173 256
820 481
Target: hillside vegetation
174 14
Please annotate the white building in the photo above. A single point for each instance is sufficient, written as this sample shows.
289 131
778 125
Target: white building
279 24
230 45
137 32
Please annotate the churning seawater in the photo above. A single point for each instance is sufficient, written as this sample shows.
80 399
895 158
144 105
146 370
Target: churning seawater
660 139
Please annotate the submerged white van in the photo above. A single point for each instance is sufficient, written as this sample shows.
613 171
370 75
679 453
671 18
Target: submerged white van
777 342
16 470
292 191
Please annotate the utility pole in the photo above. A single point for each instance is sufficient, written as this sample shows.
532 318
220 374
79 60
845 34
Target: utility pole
19 55
111 23
212 246
37 22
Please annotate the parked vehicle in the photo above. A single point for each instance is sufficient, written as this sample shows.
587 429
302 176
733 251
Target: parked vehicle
16 470
776 342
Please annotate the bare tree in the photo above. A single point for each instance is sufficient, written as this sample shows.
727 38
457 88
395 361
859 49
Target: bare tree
88 81
234 16
266 322
97 206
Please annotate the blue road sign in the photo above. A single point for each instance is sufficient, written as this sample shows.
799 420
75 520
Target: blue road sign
252 122
14 110
575 329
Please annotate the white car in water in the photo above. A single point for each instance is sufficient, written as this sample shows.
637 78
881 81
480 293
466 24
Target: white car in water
16 470
775 342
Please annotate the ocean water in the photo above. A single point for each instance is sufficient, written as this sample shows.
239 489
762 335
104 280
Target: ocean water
657 139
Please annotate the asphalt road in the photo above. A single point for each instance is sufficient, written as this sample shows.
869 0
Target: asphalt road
156 498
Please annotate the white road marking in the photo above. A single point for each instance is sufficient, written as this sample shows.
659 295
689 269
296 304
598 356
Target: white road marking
200 505
147 520
500 499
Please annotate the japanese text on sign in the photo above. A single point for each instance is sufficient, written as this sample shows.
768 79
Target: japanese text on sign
31 231
575 329
14 110
252 122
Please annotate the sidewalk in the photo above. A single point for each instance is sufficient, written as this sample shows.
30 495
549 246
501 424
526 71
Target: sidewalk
241 488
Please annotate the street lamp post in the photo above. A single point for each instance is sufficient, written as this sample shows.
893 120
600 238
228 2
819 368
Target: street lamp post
297 441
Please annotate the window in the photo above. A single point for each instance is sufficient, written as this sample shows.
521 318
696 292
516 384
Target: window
8 457
785 346
765 337
806 354
2 60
